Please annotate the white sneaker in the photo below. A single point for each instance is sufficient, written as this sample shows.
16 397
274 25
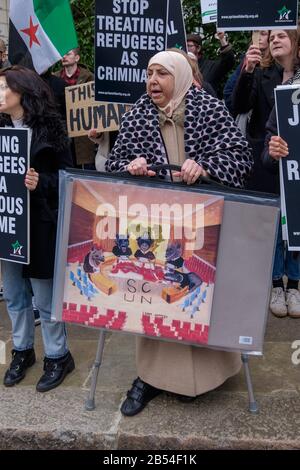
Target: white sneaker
278 303
293 303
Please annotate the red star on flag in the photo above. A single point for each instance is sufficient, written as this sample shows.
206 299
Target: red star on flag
31 31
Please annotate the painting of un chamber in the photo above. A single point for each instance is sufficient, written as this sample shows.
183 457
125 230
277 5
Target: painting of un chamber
142 260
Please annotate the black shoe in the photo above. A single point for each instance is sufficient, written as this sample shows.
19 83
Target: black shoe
55 372
21 360
37 318
137 397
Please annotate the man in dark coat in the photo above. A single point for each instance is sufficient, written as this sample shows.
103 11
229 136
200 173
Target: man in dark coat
75 73
213 71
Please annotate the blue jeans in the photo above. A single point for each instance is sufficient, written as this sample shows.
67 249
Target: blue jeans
285 262
18 295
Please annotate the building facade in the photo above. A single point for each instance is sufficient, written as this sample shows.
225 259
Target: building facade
4 9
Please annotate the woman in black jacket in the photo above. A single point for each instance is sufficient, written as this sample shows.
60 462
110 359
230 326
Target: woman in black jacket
254 92
26 102
286 262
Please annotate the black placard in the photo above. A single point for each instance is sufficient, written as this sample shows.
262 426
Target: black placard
257 14
288 121
176 28
127 34
14 197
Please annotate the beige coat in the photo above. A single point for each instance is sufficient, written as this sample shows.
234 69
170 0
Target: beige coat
179 368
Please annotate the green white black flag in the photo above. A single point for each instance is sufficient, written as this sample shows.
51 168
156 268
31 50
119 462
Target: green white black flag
41 32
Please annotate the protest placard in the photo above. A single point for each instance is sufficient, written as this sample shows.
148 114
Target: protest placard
176 28
14 197
153 258
127 34
234 15
208 11
84 113
287 99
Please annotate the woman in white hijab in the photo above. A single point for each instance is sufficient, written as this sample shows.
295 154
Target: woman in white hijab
168 95
176 123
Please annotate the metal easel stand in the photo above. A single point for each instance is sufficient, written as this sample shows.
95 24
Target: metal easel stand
253 406
90 401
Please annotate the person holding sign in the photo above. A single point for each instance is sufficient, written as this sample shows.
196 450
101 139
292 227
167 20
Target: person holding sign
255 90
75 73
26 102
260 39
286 262
213 71
174 122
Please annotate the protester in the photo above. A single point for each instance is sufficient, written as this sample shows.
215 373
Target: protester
254 91
75 73
286 263
106 140
263 44
174 122
213 71
26 102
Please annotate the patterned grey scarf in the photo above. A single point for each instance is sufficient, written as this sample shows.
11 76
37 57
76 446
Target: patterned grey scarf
295 78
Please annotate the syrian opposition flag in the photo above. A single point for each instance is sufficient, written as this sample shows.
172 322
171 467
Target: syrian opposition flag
40 32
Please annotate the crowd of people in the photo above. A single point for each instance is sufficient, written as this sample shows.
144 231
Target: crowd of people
183 116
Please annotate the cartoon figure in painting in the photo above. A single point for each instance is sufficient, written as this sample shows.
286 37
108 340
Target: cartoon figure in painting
174 260
121 249
173 257
93 259
144 253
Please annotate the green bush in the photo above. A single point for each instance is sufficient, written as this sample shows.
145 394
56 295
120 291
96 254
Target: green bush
83 14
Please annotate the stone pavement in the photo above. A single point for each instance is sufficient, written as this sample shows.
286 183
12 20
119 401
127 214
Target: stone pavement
217 420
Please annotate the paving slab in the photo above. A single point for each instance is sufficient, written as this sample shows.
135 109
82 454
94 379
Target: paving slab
217 420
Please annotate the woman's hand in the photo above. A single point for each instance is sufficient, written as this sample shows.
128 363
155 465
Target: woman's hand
31 179
138 167
278 147
253 57
190 171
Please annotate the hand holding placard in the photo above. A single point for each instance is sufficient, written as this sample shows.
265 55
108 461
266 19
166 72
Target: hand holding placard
31 179
253 57
278 148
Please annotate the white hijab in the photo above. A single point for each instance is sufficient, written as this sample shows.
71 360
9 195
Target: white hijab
178 66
